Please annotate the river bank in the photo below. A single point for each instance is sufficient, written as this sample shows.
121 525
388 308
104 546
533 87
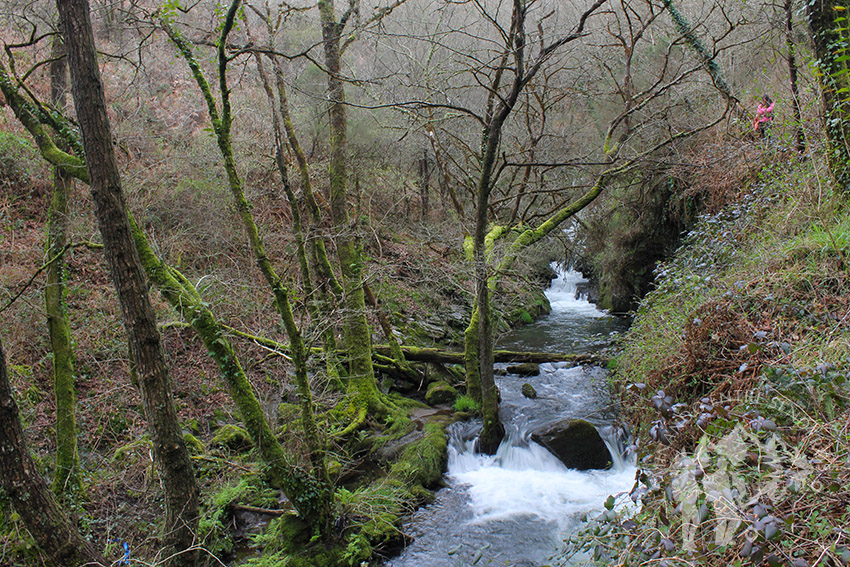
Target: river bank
735 378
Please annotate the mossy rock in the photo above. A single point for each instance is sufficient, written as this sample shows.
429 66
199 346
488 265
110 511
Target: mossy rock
194 445
524 369
528 391
576 443
440 393
232 437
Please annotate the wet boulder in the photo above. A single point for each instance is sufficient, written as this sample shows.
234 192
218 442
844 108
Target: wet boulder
524 369
576 443
528 391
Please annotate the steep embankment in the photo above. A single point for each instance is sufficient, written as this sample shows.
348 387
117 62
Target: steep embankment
735 379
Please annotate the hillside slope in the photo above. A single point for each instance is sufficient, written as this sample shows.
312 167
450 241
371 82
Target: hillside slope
734 378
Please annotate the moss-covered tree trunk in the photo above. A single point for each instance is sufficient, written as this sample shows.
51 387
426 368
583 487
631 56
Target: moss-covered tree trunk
706 57
309 493
470 357
65 477
55 535
170 454
314 495
829 30
361 384
493 430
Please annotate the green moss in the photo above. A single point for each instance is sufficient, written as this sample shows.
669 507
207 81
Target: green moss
440 393
193 444
232 437
423 462
528 391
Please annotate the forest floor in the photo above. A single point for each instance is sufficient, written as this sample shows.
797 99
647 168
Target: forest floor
420 279
735 378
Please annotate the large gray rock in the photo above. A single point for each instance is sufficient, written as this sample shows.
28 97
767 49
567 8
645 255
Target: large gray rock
576 443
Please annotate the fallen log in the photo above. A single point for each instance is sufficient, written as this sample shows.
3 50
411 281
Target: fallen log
420 354
425 354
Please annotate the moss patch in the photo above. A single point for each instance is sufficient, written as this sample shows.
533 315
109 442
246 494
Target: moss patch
232 437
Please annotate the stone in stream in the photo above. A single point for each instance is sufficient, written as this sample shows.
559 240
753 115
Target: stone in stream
576 443
524 369
528 391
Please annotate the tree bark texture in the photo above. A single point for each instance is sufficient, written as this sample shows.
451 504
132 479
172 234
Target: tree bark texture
170 454
65 479
57 538
832 46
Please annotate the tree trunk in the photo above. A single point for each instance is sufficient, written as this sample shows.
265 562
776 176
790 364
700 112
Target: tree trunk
470 357
493 430
799 141
312 495
65 479
831 50
170 454
57 538
361 384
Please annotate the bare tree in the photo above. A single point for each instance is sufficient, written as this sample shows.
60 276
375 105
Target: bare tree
55 535
171 456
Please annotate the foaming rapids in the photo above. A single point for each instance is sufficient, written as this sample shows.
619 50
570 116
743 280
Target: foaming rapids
525 479
515 507
566 296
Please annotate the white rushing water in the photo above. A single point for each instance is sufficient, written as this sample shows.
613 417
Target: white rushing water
514 508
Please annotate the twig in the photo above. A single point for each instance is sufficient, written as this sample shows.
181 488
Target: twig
44 266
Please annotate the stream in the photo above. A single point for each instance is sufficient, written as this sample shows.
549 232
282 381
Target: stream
514 508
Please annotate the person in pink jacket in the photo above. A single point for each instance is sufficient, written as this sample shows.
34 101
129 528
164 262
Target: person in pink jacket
764 116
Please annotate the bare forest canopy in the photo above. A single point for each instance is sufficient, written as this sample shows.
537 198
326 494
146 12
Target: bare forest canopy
209 208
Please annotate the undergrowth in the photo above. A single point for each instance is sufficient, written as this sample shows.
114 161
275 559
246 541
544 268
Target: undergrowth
736 377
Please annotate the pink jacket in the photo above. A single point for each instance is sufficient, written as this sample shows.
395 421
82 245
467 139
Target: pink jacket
764 113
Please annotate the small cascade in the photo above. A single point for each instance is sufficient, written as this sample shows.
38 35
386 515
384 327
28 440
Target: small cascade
523 479
567 295
514 507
